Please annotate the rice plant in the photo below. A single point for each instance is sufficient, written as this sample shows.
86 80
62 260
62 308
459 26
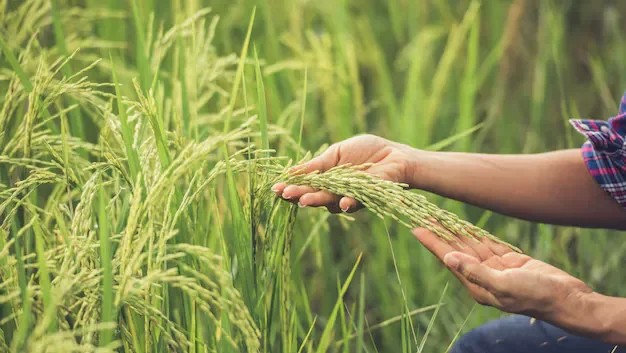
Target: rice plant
139 140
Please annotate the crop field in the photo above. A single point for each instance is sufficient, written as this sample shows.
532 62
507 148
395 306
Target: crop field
139 140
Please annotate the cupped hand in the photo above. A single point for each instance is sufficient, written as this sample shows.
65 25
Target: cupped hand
499 277
392 162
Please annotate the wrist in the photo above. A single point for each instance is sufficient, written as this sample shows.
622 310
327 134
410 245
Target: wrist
418 163
585 313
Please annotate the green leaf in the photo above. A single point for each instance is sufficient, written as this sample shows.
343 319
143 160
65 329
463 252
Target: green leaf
44 273
262 109
127 133
242 61
108 314
438 146
304 90
8 53
143 63
328 330
432 320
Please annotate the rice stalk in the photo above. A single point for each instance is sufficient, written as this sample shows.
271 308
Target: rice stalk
387 199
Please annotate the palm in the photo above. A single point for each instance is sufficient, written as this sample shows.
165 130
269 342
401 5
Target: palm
519 284
389 158
390 162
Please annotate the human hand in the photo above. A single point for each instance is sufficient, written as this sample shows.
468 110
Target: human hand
497 276
392 162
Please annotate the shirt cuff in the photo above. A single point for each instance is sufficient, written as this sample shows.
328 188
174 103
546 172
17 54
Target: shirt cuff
605 155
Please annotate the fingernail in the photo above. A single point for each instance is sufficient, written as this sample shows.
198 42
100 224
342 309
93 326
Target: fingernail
451 261
345 209
287 197
301 205
275 190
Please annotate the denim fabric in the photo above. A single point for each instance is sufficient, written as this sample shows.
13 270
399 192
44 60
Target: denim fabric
518 334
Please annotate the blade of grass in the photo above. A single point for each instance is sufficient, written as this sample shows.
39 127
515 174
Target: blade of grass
127 133
405 338
396 319
308 334
304 91
25 320
458 332
395 266
361 318
251 197
240 245
345 329
143 64
184 97
468 89
44 273
224 322
108 314
432 320
444 69
326 335
261 108
15 65
449 141
240 65
25 323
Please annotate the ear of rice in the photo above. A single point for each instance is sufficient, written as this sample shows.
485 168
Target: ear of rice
388 199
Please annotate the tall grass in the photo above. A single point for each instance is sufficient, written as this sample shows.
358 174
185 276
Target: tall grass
138 141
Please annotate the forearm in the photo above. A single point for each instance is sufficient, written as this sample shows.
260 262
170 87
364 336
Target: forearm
551 187
593 315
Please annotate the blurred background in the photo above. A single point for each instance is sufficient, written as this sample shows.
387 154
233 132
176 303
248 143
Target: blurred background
474 76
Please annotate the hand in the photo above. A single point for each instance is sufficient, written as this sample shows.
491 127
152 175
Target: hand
499 277
392 163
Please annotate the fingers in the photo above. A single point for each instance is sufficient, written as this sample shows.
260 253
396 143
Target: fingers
432 240
291 193
321 163
279 188
482 250
433 243
295 193
474 271
442 249
348 204
319 198
306 196
497 248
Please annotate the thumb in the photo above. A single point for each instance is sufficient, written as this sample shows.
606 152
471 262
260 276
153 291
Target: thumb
321 163
473 270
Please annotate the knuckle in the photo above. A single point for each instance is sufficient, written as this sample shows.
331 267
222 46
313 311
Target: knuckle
470 274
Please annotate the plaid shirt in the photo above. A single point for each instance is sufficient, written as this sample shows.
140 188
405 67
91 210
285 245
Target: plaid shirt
605 151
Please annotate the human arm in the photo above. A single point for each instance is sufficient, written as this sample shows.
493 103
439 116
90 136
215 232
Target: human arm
516 283
553 187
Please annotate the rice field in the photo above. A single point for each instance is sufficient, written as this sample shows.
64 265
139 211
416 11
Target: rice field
139 140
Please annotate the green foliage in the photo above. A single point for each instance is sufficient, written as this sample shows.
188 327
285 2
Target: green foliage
135 165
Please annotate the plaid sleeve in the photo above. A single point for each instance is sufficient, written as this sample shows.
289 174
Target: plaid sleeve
605 151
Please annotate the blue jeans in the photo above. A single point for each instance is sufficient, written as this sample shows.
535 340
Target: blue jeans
516 334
